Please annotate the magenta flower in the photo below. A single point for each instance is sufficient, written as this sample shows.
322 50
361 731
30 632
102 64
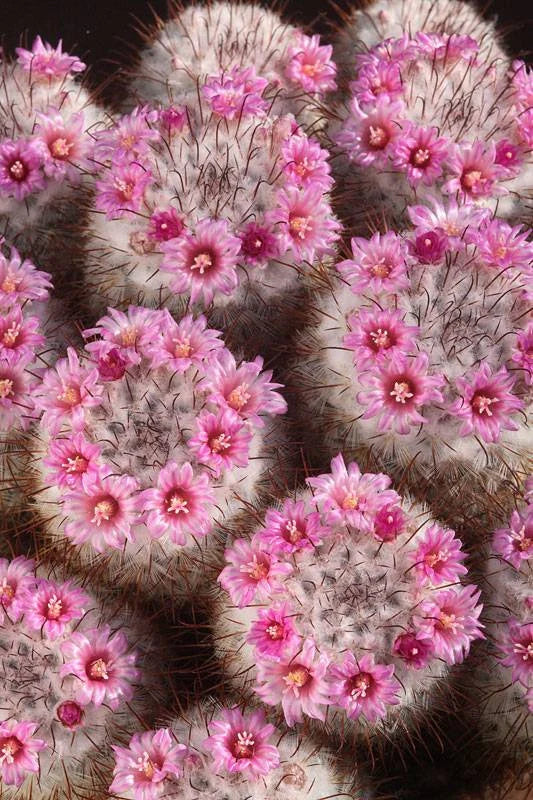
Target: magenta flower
131 332
291 529
181 505
305 222
377 334
449 620
129 139
475 171
509 157
515 543
259 244
45 61
414 650
518 649
203 263
362 687
389 522
20 281
103 665
182 343
453 219
310 65
306 163
166 224
20 168
397 390
522 80
66 391
102 510
368 137
18 751
252 572
18 334
16 579
220 441
65 145
486 403
501 246
420 153
70 714
438 557
375 79
239 743
111 361
122 189
236 94
173 119
297 681
274 631
51 606
151 759
348 497
523 353
16 391
377 264
429 247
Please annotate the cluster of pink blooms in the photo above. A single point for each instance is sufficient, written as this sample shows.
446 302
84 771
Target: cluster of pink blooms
58 147
93 665
21 286
107 507
295 667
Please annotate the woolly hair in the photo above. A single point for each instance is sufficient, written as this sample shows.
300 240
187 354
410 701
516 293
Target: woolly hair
145 420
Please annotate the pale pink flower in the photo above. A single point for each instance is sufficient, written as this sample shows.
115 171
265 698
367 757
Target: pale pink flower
368 136
182 344
375 79
297 681
501 246
236 94
47 62
376 334
130 138
122 189
475 171
390 521
291 529
220 441
259 244
449 620
438 557
518 649
310 65
448 47
420 152
19 334
305 222
455 220
509 156
515 543
523 353
239 744
103 665
51 606
18 751
66 146
486 403
306 163
20 281
413 649
252 572
362 687
21 164
166 224
144 767
378 264
273 631
181 505
102 510
131 331
17 408
16 578
397 390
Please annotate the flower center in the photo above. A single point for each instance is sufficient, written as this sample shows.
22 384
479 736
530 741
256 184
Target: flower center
146 765
11 335
70 395
220 443
381 269
293 534
54 607
182 347
420 157
238 398
76 463
60 148
524 650
9 749
128 336
124 189
434 559
521 541
7 592
299 226
297 677
275 631
104 510
257 570
201 262
359 685
6 387
243 746
350 502
401 392
378 137
97 670
177 504
18 170
380 339
310 70
9 284
448 621
472 178
304 167
482 404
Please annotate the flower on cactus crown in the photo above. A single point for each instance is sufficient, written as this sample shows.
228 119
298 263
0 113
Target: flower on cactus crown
377 79
475 171
64 144
46 62
20 281
182 344
16 391
166 224
204 262
515 543
429 247
297 681
112 361
102 510
239 743
291 529
51 606
236 94
305 222
252 572
20 168
376 334
180 505
18 751
377 265
455 220
131 331
438 557
486 403
273 631
129 139
103 665
66 390
510 157
449 47
449 620
523 353
16 578
518 649
501 246
18 334
122 189
413 649
147 763
522 80
173 119
310 65
220 441
306 163
259 244
420 153
390 521
362 687
346 496
368 136
397 390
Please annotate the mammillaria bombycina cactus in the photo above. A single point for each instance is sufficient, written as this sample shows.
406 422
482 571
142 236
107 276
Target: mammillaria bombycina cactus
150 439
347 600
223 753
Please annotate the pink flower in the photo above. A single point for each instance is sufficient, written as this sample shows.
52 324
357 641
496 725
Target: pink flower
181 505
20 281
45 61
448 47
51 606
173 119
182 343
348 497
239 743
449 620
486 403
130 138
523 353
377 79
203 263
165 225
518 649
291 529
515 543
413 649
16 578
236 94
501 246
390 522
144 767
131 331
455 220
259 244
306 163
363 687
244 388
475 170
509 157
310 65
65 144
274 631
102 663
220 441
377 334
20 168
420 152
66 390
102 511
438 557
16 403
122 189
18 751
377 264
368 136
252 572
297 680
70 714
18 334
522 80
397 390
305 222
429 247
112 362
